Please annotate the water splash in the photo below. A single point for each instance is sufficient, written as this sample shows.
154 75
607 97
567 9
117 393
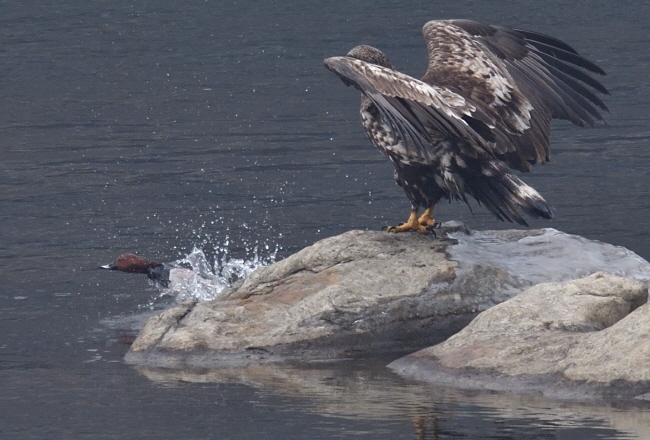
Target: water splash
195 278
223 252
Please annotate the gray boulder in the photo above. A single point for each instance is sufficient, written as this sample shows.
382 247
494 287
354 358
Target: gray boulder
591 333
366 291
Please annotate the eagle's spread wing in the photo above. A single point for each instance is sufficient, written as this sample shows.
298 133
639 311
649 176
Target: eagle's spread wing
522 79
483 107
416 110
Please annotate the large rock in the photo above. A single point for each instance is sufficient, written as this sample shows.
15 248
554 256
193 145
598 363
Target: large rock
368 291
592 331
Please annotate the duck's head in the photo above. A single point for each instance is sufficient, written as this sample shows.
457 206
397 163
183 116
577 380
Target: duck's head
131 263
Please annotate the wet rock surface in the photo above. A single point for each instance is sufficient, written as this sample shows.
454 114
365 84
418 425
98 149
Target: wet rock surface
366 292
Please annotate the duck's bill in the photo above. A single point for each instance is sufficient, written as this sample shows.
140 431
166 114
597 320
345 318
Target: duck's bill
110 266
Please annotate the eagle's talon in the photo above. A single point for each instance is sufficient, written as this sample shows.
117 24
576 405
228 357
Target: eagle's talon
430 229
411 225
427 219
398 228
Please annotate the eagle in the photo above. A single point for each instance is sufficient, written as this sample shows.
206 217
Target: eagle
481 112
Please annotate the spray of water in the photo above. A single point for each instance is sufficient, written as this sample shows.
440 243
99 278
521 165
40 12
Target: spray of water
195 278
223 251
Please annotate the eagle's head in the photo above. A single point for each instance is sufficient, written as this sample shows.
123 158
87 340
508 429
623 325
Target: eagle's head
371 55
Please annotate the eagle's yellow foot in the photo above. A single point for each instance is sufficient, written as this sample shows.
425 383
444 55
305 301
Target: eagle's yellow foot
427 219
412 224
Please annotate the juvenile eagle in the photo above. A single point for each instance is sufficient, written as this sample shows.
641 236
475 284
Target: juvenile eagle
482 109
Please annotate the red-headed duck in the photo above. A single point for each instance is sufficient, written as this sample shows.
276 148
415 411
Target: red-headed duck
130 263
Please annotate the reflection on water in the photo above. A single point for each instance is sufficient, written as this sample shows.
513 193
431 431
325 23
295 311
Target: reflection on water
363 390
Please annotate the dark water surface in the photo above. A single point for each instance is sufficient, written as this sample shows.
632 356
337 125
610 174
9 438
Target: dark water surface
154 127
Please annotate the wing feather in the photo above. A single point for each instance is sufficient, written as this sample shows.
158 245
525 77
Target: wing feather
461 62
577 74
547 40
521 78
549 57
416 110
558 49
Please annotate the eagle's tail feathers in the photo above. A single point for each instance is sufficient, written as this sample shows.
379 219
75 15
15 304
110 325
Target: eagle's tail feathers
505 194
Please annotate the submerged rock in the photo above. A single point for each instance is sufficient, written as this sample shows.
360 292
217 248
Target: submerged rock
592 331
366 291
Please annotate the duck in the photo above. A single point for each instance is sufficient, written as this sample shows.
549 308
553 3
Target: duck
131 263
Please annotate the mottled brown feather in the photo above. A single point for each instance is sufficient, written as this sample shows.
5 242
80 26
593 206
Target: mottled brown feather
483 107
